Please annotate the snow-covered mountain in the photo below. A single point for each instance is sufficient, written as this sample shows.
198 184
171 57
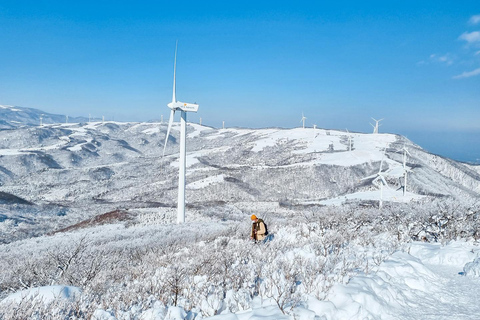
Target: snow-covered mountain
61 169
13 117
90 208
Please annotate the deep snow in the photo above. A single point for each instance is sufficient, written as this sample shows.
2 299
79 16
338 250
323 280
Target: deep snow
427 281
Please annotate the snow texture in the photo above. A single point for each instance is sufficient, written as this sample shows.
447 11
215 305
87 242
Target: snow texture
88 211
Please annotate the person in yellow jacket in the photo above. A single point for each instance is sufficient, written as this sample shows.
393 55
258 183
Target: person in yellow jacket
258 229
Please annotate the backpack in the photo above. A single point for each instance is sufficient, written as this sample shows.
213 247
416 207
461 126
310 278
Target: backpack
266 230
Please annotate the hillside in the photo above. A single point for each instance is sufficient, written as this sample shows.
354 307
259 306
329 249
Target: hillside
92 206
50 174
12 117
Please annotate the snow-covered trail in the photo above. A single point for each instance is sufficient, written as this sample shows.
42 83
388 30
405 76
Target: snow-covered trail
426 283
454 297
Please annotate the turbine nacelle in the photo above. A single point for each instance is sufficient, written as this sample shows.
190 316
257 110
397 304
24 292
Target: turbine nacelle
184 106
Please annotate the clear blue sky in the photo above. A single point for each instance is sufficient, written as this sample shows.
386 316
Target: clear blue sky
254 63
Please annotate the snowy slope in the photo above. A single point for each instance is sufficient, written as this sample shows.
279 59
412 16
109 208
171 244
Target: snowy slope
12 117
92 206
427 283
62 168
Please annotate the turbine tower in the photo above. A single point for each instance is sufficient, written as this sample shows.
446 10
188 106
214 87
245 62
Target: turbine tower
303 120
405 169
375 127
41 120
184 108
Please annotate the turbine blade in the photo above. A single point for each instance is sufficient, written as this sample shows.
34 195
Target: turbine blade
383 179
174 97
383 157
170 122
369 177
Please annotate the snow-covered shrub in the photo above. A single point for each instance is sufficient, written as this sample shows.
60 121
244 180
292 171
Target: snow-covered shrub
206 267
472 269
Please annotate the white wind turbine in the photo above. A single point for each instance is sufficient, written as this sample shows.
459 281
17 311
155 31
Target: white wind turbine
184 108
349 141
41 120
379 178
405 169
375 127
303 120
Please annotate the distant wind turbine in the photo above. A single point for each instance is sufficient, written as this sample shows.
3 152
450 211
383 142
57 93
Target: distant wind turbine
349 141
184 108
405 169
303 120
375 127
66 119
379 179
41 120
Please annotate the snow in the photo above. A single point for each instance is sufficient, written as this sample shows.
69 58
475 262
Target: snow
425 282
78 147
232 172
11 108
388 195
198 130
205 182
45 294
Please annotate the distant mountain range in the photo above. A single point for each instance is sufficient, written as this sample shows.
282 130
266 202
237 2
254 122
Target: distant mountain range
13 117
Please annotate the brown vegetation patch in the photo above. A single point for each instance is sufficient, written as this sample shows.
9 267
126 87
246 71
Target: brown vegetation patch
105 218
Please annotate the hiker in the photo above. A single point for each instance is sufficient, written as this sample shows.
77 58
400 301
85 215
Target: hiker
259 229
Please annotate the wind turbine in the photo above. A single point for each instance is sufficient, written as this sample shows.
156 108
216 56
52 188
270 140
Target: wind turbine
349 141
405 169
184 108
379 178
41 120
375 127
303 120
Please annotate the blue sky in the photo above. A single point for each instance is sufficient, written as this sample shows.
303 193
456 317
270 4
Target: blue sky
254 64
